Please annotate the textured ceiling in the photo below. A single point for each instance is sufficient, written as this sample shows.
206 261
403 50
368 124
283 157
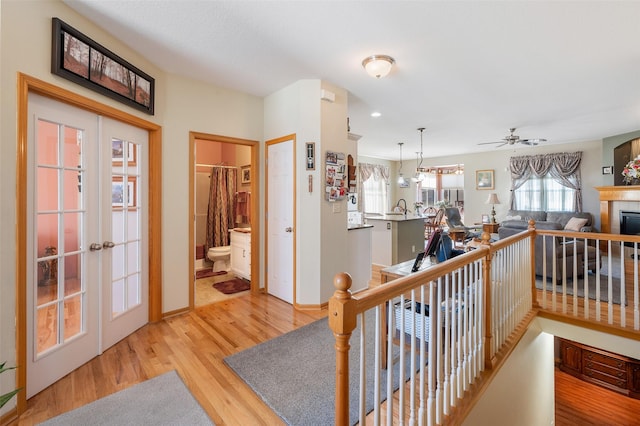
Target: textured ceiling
466 71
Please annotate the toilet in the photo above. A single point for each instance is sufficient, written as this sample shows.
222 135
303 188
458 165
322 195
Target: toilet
220 256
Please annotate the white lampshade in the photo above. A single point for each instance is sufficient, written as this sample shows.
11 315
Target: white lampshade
378 66
493 199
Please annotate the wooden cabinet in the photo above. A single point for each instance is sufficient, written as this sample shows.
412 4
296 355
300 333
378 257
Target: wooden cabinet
241 254
616 372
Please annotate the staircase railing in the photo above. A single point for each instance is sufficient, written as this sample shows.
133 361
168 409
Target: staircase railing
424 339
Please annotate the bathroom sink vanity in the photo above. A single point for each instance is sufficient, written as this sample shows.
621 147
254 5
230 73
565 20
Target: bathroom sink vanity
241 253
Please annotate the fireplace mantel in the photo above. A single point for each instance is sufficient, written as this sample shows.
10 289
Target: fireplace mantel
609 194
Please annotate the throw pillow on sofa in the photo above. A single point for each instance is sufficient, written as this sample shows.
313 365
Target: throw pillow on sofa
575 224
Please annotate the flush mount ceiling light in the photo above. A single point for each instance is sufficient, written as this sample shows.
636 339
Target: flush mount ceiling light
378 66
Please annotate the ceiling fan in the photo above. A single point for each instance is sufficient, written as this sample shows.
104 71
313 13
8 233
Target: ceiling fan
512 139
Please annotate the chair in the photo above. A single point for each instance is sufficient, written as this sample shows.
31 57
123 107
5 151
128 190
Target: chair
432 223
456 227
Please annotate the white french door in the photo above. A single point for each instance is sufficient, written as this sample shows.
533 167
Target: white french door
125 287
86 198
280 220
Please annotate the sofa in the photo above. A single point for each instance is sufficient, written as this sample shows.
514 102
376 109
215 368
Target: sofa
518 221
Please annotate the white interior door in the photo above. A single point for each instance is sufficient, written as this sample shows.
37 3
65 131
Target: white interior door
70 213
125 289
280 220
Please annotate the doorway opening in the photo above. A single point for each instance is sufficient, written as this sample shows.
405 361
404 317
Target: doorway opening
223 204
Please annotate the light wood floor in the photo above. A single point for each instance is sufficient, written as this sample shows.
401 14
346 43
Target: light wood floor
585 404
195 344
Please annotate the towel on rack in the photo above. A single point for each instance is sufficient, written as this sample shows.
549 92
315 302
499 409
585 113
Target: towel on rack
243 207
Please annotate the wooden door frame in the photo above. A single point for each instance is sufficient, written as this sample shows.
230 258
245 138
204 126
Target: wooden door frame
26 85
292 138
255 224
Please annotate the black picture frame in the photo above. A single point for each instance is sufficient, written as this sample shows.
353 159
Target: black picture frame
78 58
607 170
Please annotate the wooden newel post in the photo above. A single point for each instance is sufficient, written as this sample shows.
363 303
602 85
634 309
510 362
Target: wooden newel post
342 321
532 239
488 308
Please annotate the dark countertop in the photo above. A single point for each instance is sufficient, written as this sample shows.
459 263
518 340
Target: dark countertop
395 217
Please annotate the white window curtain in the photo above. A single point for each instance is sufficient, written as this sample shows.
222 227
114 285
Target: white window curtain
548 182
374 179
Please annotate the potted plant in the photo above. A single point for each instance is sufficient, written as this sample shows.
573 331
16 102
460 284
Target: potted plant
7 396
631 172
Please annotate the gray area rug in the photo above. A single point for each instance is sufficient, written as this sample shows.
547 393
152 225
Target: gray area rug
163 400
591 280
294 374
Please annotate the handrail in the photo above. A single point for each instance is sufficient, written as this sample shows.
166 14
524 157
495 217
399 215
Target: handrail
510 297
459 287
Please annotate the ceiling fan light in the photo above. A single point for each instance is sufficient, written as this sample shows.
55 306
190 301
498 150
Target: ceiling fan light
378 66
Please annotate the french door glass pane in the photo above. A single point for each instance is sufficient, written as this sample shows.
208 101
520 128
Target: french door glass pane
125 225
47 325
59 222
73 313
48 189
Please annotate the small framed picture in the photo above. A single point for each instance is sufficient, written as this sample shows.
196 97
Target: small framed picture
310 148
245 174
485 218
607 170
484 179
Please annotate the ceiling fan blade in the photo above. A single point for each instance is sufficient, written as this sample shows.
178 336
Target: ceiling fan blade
489 143
503 144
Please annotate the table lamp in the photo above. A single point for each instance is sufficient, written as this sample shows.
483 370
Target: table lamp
493 200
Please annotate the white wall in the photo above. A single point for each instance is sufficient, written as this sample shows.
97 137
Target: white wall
522 393
334 233
320 233
193 106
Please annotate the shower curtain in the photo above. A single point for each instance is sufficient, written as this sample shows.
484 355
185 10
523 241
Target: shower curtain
221 213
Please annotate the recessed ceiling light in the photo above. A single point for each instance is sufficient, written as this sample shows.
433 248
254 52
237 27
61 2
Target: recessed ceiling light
375 114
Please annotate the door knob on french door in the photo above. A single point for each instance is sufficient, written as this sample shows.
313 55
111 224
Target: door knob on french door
95 247
288 229
108 244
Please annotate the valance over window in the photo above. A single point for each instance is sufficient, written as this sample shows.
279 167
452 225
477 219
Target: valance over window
563 168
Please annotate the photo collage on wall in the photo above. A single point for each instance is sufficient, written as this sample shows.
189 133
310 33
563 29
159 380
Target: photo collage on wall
336 184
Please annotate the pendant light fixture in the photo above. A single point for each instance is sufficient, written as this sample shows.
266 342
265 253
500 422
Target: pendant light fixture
419 176
401 179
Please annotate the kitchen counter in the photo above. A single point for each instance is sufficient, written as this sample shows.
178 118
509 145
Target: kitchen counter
395 238
395 217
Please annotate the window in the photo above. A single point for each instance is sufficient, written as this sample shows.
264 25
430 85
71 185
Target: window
544 194
374 180
548 182
375 195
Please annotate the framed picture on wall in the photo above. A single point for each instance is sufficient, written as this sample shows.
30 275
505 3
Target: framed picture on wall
484 179
77 58
245 174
